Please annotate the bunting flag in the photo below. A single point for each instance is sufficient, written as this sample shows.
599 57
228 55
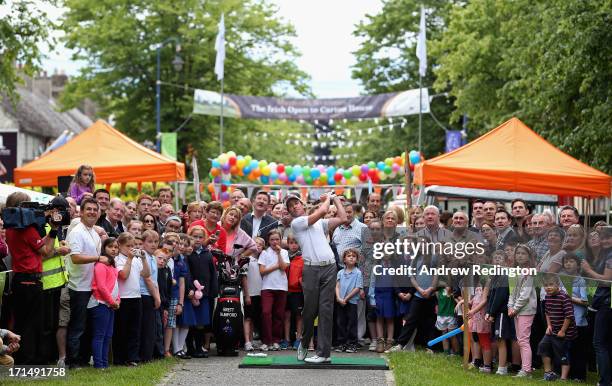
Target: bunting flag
250 191
358 190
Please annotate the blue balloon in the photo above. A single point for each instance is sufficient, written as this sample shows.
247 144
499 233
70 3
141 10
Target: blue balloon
216 164
330 172
380 166
292 178
273 175
254 165
414 156
331 181
315 173
246 170
264 179
297 169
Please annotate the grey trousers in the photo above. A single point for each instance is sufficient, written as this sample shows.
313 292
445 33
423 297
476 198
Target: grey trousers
319 286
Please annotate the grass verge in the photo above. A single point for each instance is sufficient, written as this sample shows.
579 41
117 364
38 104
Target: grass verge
420 368
147 374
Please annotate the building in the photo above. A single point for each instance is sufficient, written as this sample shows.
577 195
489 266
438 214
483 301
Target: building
29 124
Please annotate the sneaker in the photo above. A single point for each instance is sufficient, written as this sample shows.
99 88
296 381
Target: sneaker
248 346
550 376
340 348
318 359
380 345
366 341
372 346
485 369
296 344
264 347
502 371
284 345
275 347
311 348
389 343
61 363
522 374
351 348
396 348
301 352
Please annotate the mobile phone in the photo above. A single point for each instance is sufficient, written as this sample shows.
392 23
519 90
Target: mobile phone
184 208
217 233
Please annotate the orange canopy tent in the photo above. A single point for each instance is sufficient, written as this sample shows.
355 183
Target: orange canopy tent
114 157
513 157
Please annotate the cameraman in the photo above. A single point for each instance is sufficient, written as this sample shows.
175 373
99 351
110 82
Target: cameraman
28 250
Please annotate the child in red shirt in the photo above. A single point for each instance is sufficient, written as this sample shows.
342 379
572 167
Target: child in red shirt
295 296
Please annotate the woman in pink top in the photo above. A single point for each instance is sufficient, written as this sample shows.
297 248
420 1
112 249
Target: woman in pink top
230 221
103 303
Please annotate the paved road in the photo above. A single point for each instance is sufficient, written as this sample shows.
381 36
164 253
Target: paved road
224 371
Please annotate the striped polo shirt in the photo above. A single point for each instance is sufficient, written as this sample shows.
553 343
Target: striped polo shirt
558 307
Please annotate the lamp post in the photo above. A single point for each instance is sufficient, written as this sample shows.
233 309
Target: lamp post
177 63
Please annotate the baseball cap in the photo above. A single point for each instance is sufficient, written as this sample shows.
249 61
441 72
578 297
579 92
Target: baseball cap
292 197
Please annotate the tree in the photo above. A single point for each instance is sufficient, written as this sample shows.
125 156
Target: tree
117 39
23 29
547 65
387 62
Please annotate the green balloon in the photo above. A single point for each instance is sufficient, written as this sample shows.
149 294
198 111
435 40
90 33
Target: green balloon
288 170
308 179
348 174
388 169
371 164
306 171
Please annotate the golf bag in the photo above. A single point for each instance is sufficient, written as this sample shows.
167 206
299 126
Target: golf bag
228 319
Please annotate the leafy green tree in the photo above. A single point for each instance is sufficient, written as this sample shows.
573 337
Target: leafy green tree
117 39
546 63
386 62
24 28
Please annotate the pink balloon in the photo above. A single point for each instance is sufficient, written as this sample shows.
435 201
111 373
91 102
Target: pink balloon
300 179
282 177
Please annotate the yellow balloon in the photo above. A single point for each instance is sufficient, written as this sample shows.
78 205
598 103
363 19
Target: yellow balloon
266 170
241 163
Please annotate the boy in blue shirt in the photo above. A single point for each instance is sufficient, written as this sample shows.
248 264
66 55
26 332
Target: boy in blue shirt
348 284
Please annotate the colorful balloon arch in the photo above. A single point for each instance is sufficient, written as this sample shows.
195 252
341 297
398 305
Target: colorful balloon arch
229 165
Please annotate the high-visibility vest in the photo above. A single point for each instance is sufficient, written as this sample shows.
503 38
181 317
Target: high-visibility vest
54 272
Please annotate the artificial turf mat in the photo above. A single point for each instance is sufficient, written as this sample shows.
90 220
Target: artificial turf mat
291 362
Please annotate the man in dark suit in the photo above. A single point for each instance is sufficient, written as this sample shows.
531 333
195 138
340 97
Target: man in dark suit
111 222
259 223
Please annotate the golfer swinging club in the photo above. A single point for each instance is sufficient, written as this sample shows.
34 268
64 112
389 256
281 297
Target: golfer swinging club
319 275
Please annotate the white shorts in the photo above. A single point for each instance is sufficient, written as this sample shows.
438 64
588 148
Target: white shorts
444 323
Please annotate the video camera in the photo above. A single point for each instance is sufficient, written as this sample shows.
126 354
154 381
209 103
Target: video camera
33 213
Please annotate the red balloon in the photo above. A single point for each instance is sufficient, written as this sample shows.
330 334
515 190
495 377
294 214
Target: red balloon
363 177
232 161
372 173
223 188
411 166
338 177
280 168
375 179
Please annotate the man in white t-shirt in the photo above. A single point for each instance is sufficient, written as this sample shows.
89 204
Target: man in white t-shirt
319 275
85 245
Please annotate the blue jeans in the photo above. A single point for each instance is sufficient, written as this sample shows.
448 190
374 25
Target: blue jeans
102 318
77 324
602 342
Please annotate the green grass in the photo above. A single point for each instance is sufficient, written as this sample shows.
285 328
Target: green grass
420 368
147 374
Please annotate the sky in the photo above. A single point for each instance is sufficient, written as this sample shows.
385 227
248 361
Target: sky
324 37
